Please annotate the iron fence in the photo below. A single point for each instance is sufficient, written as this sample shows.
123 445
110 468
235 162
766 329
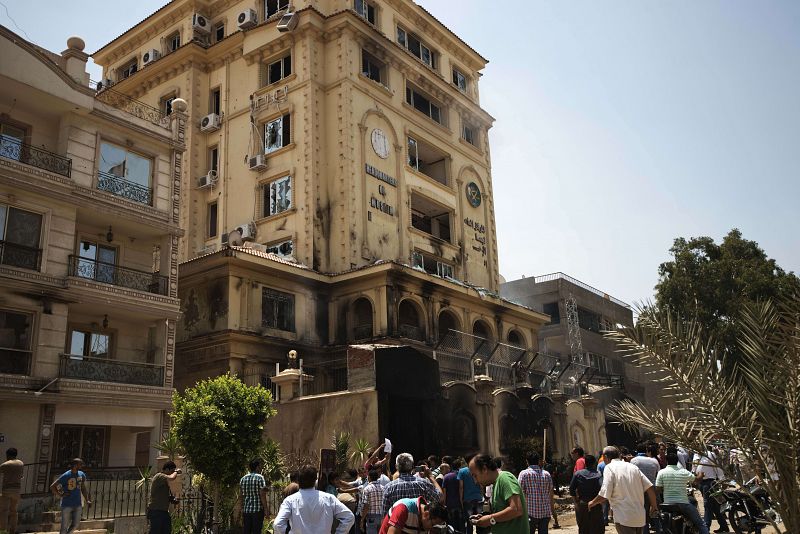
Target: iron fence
329 376
16 150
104 370
409 331
587 287
116 185
109 273
22 256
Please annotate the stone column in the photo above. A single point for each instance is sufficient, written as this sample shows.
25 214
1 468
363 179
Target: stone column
488 439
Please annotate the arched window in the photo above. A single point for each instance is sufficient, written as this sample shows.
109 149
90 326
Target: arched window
483 342
362 319
410 321
448 321
515 338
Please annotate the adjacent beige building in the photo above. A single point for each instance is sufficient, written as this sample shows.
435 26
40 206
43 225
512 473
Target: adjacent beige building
89 229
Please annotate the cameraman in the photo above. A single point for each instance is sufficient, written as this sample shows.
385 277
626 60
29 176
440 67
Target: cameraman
160 499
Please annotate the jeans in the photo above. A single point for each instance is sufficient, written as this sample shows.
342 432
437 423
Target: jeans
8 511
455 518
710 506
651 523
160 522
253 522
70 518
538 523
689 512
589 521
373 523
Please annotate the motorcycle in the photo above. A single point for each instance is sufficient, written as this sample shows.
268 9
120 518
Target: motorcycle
673 521
742 506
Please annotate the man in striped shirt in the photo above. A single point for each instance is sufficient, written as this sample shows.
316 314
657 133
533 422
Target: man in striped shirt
371 504
254 499
672 482
537 485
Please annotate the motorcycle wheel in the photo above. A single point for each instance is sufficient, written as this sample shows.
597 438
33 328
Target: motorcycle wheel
740 521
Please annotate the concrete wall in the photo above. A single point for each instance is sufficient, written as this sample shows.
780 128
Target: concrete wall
307 424
18 425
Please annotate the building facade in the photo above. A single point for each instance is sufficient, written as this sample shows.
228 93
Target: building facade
608 375
89 215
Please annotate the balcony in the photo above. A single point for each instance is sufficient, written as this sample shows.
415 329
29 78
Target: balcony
15 362
104 370
409 331
109 273
20 256
133 107
121 187
14 149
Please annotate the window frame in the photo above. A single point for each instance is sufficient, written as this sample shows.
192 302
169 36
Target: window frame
367 7
30 321
129 68
212 223
412 91
173 41
469 134
215 100
466 79
279 9
212 162
368 58
143 155
165 103
285 132
271 187
278 298
283 61
276 246
215 29
91 331
405 42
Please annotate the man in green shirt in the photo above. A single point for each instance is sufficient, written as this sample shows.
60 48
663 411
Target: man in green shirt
509 511
160 499
672 482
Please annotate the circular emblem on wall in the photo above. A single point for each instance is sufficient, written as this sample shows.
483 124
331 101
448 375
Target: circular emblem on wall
380 144
473 194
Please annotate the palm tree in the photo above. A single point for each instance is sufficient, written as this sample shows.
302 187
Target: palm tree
360 452
755 409
341 444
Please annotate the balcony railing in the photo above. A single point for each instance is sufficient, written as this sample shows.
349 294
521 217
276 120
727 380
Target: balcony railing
127 104
104 370
411 332
20 256
116 185
109 273
15 362
15 149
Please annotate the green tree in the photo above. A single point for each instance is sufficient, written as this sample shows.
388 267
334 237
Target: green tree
273 463
713 282
754 406
220 424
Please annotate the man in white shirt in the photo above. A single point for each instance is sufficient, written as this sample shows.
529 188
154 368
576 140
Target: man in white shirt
625 486
310 511
706 465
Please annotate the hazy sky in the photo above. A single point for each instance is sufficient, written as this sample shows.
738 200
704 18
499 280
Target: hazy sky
620 124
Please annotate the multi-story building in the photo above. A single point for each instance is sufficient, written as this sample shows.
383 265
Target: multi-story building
609 376
338 184
89 200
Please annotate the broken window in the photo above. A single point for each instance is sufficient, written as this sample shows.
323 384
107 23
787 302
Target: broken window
469 134
429 217
83 342
366 10
173 42
373 68
129 69
15 342
219 31
589 320
460 80
214 101
284 248
423 104
271 7
278 196
413 44
431 265
277 133
277 310
428 160
279 69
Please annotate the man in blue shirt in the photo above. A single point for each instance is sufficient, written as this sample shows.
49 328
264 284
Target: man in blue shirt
70 486
473 498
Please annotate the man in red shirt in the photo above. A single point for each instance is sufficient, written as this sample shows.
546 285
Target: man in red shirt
413 516
577 456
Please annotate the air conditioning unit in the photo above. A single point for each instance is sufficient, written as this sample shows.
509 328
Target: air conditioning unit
247 19
209 180
210 123
240 234
150 56
200 23
288 22
258 162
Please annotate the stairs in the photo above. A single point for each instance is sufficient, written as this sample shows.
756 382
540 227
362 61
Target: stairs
51 523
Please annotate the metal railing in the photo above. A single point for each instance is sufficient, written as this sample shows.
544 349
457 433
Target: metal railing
104 370
109 273
329 376
13 148
20 256
587 287
409 331
133 107
116 185
15 362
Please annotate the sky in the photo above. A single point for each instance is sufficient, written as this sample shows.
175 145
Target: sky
620 125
